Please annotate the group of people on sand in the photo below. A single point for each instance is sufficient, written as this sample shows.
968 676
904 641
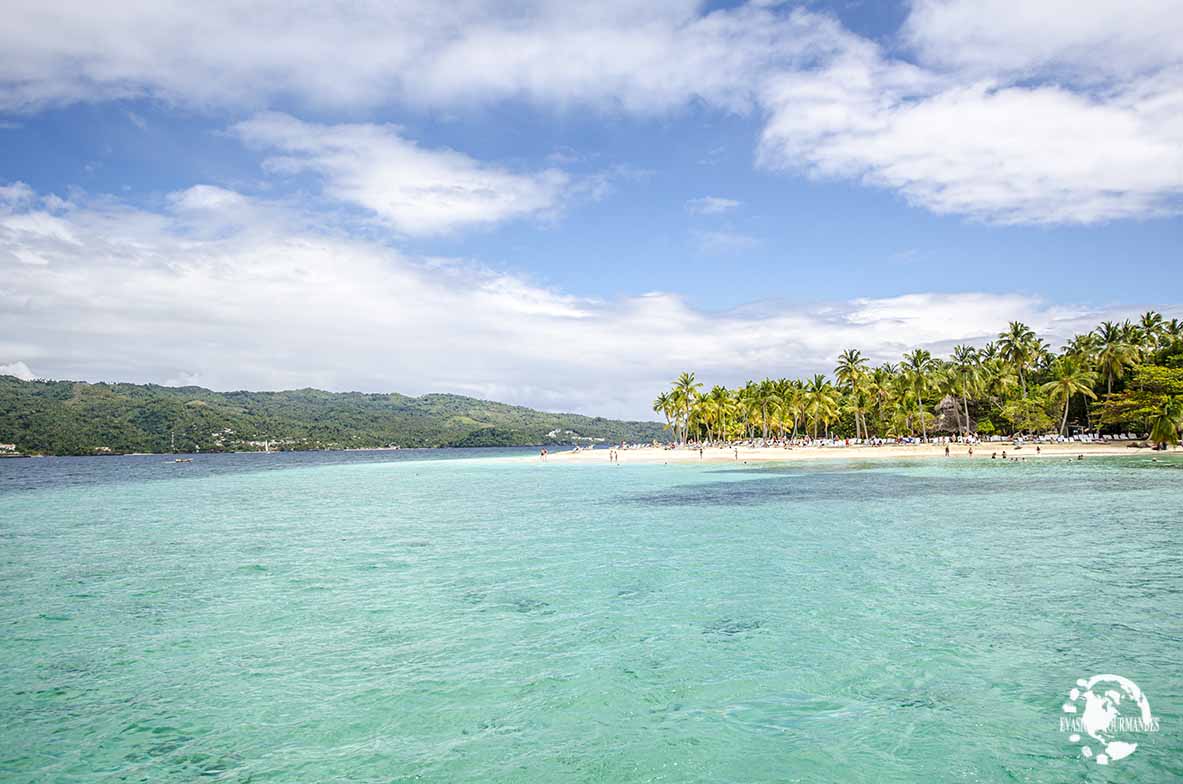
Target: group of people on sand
614 452
824 441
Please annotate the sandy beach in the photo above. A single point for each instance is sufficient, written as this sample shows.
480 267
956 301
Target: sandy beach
780 454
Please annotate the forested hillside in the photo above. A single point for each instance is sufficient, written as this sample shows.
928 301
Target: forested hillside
74 418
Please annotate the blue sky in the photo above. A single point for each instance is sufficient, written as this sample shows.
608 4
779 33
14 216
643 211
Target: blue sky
563 207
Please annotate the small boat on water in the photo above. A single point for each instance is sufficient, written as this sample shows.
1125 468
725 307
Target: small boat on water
183 460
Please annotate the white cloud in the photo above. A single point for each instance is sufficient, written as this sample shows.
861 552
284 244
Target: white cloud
992 149
180 296
208 198
1077 40
18 369
711 205
15 193
1048 112
416 190
617 54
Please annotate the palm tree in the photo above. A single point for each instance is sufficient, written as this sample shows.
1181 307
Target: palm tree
1018 345
1070 378
1133 336
792 402
746 402
717 410
968 377
902 398
918 367
1083 347
687 391
882 391
767 400
1152 327
1114 354
1167 421
1000 379
782 404
851 373
664 405
821 402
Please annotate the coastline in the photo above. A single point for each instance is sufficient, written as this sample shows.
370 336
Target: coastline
652 455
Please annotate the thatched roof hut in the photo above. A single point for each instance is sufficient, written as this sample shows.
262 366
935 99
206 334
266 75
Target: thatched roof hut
951 417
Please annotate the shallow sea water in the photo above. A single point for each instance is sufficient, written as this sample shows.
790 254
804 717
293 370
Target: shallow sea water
380 618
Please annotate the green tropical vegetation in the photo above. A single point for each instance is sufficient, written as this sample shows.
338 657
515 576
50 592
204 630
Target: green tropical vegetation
1118 378
74 418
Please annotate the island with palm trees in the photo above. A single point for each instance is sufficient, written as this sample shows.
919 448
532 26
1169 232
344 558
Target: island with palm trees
1118 386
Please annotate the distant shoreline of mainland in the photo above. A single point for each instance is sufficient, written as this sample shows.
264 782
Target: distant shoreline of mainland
79 418
178 453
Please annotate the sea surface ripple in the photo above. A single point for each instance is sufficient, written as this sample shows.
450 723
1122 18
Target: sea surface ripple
388 619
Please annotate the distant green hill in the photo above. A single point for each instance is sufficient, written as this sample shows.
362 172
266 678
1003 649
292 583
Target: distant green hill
75 418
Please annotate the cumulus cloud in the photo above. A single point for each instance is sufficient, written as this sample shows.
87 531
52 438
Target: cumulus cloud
1010 154
711 205
270 303
416 190
15 193
1083 41
618 54
1050 112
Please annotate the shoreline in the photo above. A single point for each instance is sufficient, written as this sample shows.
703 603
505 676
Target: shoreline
718 455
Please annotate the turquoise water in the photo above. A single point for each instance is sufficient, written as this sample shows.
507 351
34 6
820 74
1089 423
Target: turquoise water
382 619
